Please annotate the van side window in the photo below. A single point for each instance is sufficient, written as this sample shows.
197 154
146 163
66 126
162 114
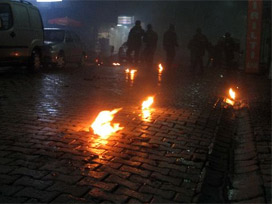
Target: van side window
21 16
6 16
69 37
35 18
75 37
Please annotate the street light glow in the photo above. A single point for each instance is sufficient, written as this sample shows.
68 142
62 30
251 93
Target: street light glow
48 0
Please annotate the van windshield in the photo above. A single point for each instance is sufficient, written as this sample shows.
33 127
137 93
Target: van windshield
54 35
5 17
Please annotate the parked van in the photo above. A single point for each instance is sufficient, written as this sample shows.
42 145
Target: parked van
21 34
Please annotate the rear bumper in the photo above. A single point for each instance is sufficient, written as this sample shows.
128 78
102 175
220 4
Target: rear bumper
7 61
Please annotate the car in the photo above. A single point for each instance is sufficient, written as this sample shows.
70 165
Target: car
21 31
63 46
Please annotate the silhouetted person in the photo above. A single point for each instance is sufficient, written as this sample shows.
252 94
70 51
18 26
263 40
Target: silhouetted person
134 41
170 43
150 39
229 48
218 53
211 54
197 46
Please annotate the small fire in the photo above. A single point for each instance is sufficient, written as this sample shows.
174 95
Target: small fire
147 103
231 100
232 94
160 68
146 108
102 125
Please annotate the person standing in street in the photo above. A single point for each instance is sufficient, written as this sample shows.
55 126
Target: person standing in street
197 46
229 48
170 43
150 39
134 42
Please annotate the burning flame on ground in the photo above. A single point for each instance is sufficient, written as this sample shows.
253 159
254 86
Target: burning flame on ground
146 107
147 103
232 94
116 64
102 125
231 100
160 68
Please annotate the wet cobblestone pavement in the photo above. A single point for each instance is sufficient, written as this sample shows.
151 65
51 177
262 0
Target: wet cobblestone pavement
190 149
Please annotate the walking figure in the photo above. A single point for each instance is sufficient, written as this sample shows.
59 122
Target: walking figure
197 46
170 43
150 39
229 48
134 42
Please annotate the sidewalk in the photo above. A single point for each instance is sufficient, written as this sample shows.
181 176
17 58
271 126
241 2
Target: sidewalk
48 155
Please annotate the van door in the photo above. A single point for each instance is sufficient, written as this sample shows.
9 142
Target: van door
36 26
21 34
6 32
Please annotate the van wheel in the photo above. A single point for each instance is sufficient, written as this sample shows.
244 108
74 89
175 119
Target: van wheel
82 60
35 61
61 61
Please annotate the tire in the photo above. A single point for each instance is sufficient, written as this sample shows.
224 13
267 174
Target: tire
35 61
61 62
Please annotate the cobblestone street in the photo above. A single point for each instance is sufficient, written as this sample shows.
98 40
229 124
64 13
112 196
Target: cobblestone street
191 148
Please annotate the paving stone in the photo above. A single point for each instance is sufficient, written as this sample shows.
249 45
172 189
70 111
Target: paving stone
42 196
6 169
115 172
145 198
7 179
164 171
29 172
6 199
133 170
174 188
183 198
62 187
89 181
66 198
55 176
9 190
163 193
105 196
141 180
121 181
28 181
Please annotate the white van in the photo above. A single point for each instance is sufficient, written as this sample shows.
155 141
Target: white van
21 34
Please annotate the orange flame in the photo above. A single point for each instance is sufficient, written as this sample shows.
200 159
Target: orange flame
229 101
102 125
146 108
147 103
232 93
160 68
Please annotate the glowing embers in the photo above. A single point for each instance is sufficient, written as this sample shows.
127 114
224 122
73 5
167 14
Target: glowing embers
102 125
231 99
146 110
